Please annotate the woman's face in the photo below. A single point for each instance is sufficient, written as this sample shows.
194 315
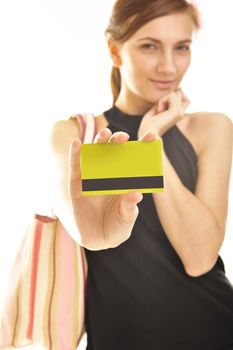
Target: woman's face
154 60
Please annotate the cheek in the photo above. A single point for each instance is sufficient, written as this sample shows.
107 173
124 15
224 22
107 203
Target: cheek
183 65
136 64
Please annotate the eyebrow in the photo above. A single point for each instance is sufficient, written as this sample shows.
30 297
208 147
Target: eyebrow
160 42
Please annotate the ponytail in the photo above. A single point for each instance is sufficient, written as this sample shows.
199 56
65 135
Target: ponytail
115 83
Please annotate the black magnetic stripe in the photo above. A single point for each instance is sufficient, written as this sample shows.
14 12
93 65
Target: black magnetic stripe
122 183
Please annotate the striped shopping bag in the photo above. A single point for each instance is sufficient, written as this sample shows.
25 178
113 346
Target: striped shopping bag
46 293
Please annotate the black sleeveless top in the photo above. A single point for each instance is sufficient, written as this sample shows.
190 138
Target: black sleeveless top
138 294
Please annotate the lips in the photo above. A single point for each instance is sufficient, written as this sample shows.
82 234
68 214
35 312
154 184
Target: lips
163 84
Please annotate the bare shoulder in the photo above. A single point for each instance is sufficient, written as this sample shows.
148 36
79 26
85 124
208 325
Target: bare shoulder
203 127
211 119
63 132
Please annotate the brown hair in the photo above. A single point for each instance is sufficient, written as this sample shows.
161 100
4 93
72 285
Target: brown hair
130 15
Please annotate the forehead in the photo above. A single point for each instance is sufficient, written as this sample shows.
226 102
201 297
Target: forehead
175 27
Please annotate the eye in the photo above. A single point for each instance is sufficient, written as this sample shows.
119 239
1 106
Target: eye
183 48
149 46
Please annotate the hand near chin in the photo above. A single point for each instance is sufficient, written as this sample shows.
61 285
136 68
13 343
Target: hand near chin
169 111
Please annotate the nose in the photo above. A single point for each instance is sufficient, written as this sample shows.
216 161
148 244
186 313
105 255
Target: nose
166 63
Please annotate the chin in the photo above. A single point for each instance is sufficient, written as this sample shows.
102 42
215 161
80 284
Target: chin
156 97
160 94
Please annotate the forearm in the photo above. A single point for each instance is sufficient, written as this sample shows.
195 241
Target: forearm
190 226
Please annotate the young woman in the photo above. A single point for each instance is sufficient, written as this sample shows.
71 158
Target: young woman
155 279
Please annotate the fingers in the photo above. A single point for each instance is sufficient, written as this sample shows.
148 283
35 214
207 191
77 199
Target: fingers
148 137
163 104
171 102
176 99
119 137
176 103
105 135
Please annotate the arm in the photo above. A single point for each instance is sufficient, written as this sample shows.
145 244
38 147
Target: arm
196 222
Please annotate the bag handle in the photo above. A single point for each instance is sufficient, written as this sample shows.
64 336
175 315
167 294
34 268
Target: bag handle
88 127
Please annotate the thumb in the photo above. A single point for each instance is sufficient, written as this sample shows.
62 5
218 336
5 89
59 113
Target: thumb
74 168
128 206
74 152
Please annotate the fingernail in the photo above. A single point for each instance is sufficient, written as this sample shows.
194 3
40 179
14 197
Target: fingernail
76 142
112 138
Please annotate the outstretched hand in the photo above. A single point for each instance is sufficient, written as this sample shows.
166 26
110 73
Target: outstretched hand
104 221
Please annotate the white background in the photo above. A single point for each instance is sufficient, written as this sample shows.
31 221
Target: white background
54 63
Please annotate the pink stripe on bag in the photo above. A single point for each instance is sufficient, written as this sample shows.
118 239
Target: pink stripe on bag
36 251
54 275
83 126
67 274
88 127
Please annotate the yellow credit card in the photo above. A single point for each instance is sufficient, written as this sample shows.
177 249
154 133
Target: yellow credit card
111 168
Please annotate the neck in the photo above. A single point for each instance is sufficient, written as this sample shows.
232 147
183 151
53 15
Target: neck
132 104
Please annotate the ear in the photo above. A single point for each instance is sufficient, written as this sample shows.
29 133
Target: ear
114 50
